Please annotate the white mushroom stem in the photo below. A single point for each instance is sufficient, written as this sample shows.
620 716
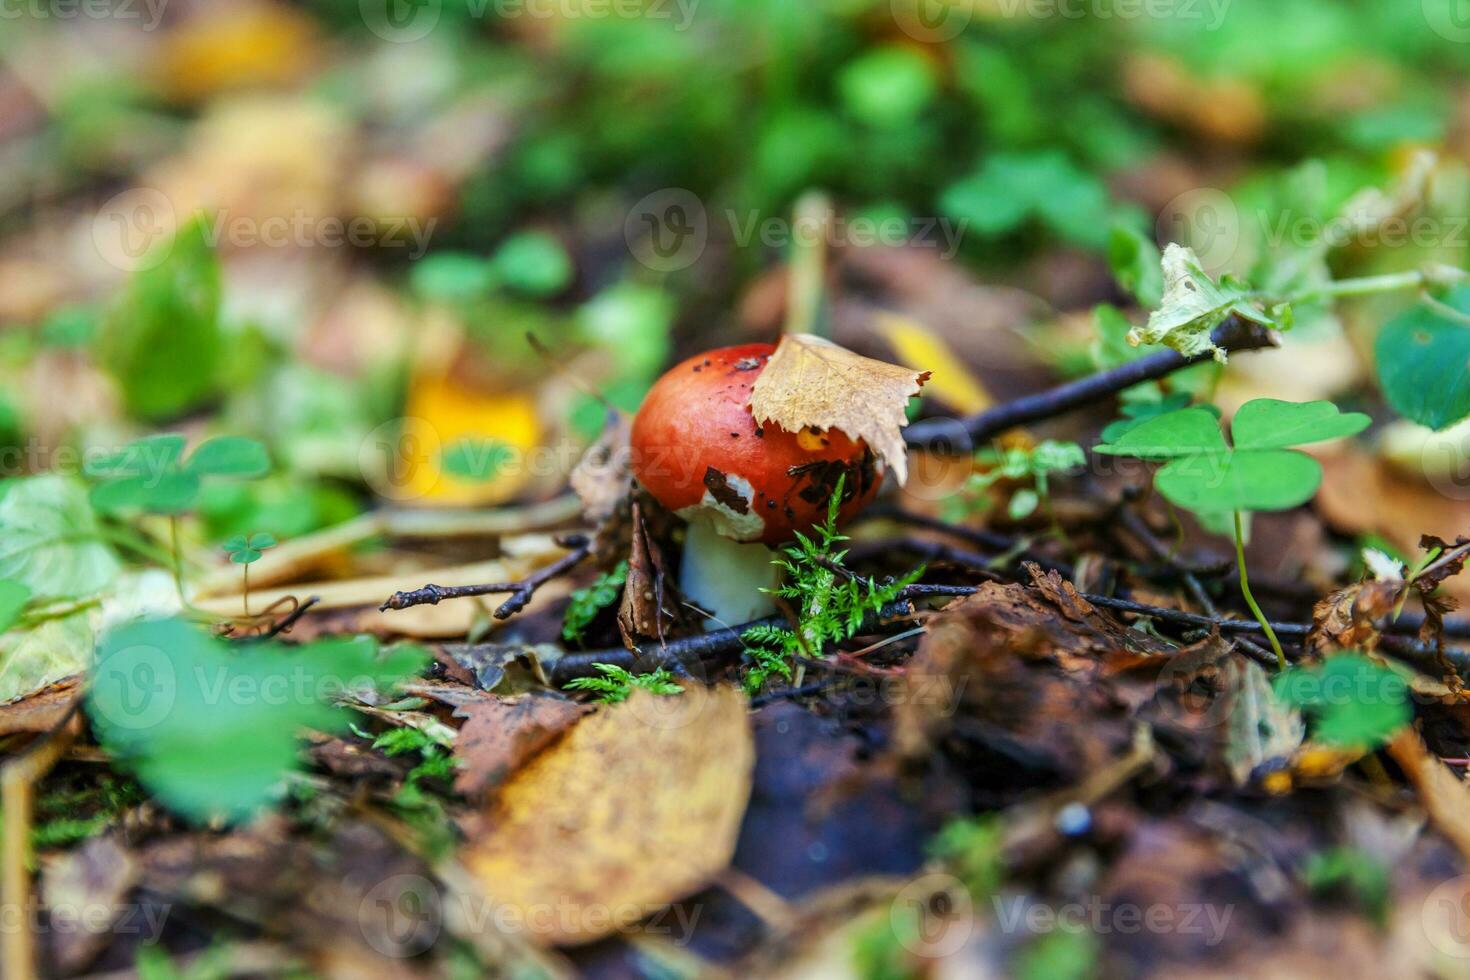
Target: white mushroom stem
726 577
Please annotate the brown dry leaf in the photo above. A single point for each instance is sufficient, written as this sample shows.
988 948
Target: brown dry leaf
1347 619
1445 797
810 381
638 806
1364 495
603 482
642 615
501 734
42 711
95 877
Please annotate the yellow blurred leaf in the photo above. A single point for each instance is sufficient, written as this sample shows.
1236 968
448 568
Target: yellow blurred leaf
235 46
445 416
637 806
918 347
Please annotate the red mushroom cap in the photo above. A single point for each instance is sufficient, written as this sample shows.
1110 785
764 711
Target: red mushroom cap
696 447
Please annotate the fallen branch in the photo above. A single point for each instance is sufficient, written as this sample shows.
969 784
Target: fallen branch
521 592
943 433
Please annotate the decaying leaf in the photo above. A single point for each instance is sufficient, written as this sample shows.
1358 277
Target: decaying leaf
634 808
500 734
42 711
1444 795
644 612
810 381
1263 728
1348 618
602 478
96 877
507 668
1193 306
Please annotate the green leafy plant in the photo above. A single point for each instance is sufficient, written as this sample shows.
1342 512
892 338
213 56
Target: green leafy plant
617 683
245 552
1360 873
1036 465
153 476
212 733
831 602
477 460
1421 357
163 342
587 602
1352 700
1257 472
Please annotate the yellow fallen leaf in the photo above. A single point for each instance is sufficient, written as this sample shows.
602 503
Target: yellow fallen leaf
442 414
915 346
810 381
234 46
637 806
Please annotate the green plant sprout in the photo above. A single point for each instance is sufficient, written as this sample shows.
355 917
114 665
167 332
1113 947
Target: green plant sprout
831 601
245 552
1036 465
586 603
153 476
1258 472
618 683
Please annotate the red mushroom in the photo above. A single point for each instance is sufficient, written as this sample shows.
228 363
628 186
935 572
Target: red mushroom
697 449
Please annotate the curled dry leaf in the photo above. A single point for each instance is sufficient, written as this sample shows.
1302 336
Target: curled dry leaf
810 381
1348 618
501 734
637 806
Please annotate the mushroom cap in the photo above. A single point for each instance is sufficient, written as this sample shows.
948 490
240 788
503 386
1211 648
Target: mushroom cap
697 449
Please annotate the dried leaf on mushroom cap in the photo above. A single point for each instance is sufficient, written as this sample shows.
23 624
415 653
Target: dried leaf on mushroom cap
810 381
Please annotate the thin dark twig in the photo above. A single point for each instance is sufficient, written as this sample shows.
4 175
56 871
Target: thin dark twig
1135 526
284 624
521 592
1233 335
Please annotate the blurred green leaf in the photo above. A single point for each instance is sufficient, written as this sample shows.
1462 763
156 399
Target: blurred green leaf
1422 360
13 598
452 276
52 651
533 263
887 86
1353 701
1010 188
480 460
49 539
213 734
162 342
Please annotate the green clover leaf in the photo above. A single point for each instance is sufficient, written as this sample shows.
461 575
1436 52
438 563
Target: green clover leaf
245 551
152 475
1259 472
